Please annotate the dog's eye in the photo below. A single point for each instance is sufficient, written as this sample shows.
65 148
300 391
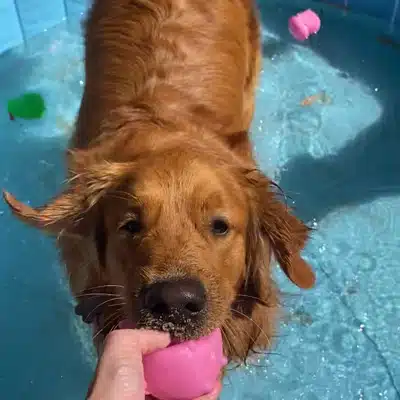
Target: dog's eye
219 227
132 226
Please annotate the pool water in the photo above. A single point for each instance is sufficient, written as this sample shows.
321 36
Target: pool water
337 160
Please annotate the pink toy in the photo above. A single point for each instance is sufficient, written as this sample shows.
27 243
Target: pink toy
304 24
186 370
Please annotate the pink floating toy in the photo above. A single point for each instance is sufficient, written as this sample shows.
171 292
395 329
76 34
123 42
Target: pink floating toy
186 370
304 24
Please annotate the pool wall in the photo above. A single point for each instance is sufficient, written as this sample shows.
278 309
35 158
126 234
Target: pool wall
22 19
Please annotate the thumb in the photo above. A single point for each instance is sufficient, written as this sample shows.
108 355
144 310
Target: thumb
126 346
120 371
149 341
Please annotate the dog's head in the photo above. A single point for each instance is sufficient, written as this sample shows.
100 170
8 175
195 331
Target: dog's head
182 234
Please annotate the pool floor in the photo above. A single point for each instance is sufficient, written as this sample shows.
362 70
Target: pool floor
326 129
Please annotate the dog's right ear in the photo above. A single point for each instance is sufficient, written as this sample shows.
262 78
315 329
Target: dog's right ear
52 217
86 187
240 144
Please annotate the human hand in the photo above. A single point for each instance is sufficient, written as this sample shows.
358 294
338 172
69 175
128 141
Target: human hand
119 374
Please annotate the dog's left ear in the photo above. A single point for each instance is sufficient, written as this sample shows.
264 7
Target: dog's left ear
286 234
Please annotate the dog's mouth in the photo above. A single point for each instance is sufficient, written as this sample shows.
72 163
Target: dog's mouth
127 324
179 306
179 325
95 311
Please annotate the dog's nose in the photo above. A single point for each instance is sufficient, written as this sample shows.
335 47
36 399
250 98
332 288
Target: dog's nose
186 297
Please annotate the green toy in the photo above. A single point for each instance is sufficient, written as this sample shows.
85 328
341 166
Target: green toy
27 106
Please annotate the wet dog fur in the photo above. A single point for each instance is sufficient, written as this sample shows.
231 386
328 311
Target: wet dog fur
161 163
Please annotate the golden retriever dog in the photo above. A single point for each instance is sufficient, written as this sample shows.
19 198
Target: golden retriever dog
165 213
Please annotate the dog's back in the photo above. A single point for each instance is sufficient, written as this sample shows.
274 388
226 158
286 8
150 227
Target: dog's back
187 62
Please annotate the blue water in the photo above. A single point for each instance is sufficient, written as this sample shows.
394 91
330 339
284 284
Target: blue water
337 160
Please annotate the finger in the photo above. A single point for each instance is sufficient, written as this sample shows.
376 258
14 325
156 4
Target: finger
214 394
150 341
127 345
120 371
